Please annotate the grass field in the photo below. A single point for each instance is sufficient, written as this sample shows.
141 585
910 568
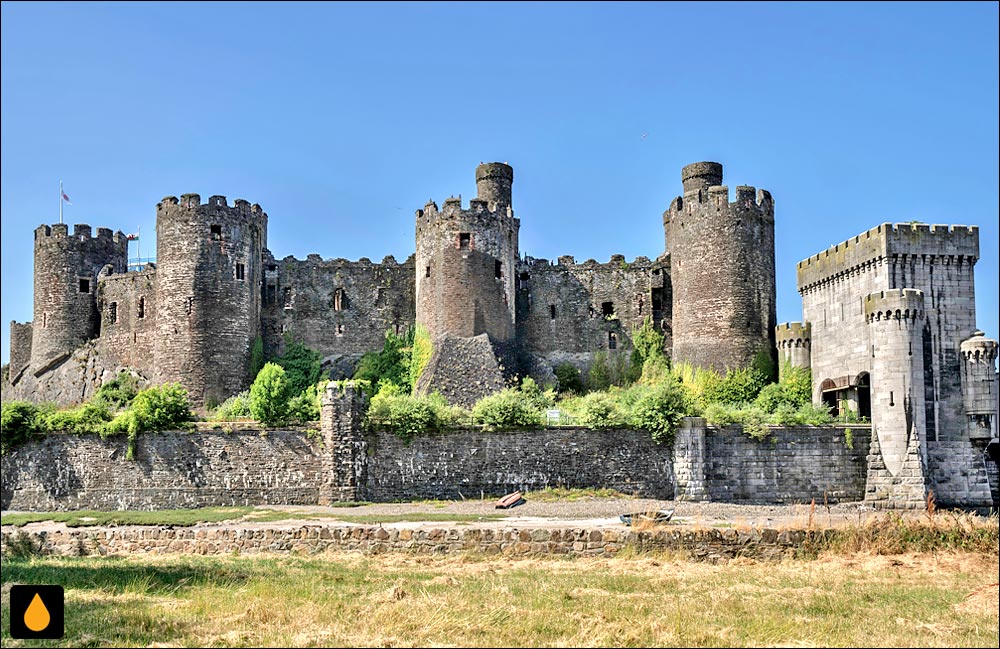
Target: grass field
941 599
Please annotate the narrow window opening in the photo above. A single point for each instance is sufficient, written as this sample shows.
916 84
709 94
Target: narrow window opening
523 278
284 328
607 309
216 232
339 300
240 272
141 310
427 272
498 269
552 312
340 330
190 305
45 320
113 312
464 240
84 285
640 305
288 297
612 340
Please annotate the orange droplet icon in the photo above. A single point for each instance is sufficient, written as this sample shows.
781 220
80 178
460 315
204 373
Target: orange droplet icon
36 617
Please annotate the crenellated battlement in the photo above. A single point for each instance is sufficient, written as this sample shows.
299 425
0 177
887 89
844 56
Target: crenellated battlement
566 262
314 260
894 304
979 349
453 208
81 233
886 241
791 332
215 203
747 196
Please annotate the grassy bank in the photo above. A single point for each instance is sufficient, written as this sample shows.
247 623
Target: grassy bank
942 599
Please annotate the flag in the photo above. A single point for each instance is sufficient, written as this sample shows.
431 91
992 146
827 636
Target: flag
65 197
132 237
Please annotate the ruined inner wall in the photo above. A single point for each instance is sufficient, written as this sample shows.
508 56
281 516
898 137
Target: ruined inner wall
20 350
208 286
561 307
722 270
340 308
127 306
465 259
66 269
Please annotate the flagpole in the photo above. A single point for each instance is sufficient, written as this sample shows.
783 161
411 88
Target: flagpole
60 201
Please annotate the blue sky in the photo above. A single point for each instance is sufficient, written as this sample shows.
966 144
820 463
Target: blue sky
341 120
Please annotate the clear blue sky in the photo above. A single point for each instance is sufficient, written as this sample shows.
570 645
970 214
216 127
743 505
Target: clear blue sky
341 120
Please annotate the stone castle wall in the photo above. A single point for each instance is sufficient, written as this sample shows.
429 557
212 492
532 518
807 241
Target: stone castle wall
20 349
340 308
794 464
568 311
127 306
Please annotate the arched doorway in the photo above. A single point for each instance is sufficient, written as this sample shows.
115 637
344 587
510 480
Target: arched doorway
864 387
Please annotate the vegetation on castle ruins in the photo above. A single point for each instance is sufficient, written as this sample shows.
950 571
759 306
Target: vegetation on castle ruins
639 390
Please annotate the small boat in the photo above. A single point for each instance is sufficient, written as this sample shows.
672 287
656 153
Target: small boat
659 516
510 500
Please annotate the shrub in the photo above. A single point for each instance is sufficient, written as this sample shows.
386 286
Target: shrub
18 423
420 352
539 399
599 374
256 357
659 409
233 408
506 409
269 395
118 393
798 383
737 386
569 378
164 407
88 418
600 410
306 406
302 365
391 364
406 415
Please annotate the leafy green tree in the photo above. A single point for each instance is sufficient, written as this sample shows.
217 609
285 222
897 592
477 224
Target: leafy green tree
302 365
269 395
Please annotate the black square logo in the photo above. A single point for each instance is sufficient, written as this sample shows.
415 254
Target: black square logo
36 612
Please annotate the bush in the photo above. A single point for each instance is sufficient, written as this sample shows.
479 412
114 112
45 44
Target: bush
302 366
737 386
798 384
660 408
269 395
118 393
234 408
407 416
420 353
389 365
18 423
256 357
506 409
569 378
89 418
600 410
164 407
306 406
599 374
539 399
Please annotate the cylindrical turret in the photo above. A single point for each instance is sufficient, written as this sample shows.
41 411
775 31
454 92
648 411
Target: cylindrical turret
208 293
895 321
66 268
701 176
721 270
979 385
793 340
465 261
493 184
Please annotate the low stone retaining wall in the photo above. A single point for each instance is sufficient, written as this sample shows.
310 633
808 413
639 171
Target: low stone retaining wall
711 545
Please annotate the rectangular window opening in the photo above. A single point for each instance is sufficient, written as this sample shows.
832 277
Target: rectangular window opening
113 312
427 272
339 299
612 340
240 272
464 240
84 285
141 310
607 309
523 280
216 232
340 330
190 305
552 312
498 269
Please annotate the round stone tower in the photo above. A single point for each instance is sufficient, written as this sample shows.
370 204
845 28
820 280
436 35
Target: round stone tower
895 325
793 340
465 261
66 269
722 271
208 293
979 385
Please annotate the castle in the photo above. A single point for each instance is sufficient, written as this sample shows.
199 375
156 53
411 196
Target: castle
888 317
